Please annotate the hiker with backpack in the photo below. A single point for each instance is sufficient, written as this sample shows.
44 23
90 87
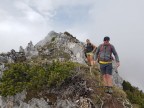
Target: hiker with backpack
104 56
89 52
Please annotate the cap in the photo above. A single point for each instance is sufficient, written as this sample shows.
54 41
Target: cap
106 38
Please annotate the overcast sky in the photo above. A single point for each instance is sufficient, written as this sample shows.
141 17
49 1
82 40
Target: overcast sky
22 21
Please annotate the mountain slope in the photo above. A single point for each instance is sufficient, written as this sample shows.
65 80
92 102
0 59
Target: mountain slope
53 74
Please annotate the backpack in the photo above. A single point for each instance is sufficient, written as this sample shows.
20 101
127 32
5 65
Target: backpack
102 48
89 47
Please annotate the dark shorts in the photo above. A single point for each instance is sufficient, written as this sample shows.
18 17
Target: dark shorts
106 68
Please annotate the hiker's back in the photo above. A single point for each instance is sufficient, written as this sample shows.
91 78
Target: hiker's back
105 52
89 47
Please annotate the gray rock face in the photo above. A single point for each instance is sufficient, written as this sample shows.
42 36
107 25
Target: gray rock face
61 42
21 49
72 46
117 80
47 39
17 101
3 59
31 50
65 104
12 57
2 68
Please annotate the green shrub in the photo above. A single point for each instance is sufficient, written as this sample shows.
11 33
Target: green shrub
14 79
22 76
60 71
135 95
118 92
53 39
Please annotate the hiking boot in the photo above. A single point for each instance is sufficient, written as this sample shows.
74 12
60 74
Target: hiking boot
106 91
110 91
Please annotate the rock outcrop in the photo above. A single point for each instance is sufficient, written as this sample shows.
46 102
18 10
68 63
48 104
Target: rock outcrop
83 90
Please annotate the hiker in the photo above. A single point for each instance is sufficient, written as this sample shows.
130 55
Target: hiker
104 56
89 52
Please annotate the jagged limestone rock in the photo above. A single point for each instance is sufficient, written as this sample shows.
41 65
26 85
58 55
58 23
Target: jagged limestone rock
61 45
21 49
117 80
65 104
17 56
12 57
3 59
31 50
47 39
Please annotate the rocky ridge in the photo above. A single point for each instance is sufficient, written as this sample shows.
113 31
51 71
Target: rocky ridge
80 91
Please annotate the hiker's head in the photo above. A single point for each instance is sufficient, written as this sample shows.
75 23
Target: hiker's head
87 41
106 39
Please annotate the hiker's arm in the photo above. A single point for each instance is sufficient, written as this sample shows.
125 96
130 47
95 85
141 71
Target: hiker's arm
116 56
97 53
115 53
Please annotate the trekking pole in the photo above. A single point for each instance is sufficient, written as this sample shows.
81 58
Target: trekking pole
99 79
90 70
99 75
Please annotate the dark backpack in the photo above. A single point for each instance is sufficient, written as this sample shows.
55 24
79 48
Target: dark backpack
89 48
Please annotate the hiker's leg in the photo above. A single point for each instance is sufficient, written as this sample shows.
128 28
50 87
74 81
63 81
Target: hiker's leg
94 62
105 80
109 80
88 59
109 84
103 72
91 60
109 75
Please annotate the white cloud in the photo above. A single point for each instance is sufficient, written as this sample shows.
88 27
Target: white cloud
43 7
60 3
16 30
3 14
